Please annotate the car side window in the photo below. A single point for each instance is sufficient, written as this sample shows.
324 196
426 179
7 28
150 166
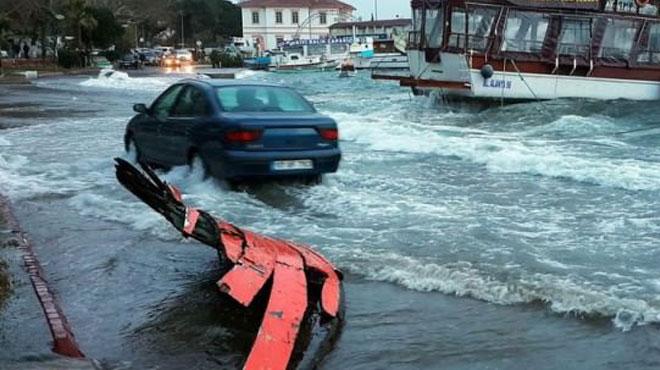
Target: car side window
163 106
191 103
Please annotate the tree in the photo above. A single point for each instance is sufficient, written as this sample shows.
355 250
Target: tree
108 31
80 19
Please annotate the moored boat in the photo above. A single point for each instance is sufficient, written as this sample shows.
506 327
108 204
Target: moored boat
535 50
347 69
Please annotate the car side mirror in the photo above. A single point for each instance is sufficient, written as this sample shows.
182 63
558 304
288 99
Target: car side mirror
141 108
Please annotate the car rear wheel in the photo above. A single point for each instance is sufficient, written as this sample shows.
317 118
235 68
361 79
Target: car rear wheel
313 180
198 167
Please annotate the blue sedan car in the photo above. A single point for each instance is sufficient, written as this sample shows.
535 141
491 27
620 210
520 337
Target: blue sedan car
237 131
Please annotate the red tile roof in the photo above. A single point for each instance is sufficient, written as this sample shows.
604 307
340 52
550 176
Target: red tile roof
316 4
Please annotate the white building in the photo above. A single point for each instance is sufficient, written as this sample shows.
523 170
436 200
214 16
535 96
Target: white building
269 22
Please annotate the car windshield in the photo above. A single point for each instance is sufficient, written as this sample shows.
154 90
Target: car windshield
261 99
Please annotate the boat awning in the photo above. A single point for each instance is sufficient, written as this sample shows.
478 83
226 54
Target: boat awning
559 4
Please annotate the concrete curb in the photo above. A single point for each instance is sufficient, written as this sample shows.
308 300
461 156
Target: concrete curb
64 342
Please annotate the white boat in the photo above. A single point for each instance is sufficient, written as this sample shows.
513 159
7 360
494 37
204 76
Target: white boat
516 50
292 62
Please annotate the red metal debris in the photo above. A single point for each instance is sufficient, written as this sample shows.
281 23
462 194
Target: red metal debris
256 260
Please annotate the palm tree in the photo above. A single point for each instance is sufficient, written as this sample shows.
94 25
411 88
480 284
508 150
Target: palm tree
80 18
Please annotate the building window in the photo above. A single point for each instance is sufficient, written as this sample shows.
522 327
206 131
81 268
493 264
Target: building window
278 17
255 17
294 17
323 18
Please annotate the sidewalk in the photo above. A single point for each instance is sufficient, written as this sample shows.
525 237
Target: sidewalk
25 336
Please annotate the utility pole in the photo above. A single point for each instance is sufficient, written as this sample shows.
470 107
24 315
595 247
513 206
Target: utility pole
376 9
183 42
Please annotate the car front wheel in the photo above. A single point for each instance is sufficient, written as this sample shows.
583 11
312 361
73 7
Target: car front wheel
132 150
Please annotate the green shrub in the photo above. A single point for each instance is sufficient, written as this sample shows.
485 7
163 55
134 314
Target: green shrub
111 55
231 61
70 58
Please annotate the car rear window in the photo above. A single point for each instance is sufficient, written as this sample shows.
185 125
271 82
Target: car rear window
261 99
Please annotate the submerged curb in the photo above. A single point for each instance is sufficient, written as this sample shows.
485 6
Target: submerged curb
64 342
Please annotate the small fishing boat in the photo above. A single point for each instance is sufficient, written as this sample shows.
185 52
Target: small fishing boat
258 63
295 62
347 69
297 291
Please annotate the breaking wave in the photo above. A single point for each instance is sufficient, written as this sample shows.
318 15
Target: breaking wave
505 153
561 294
111 79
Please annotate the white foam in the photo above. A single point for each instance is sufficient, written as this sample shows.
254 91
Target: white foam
563 294
504 154
111 79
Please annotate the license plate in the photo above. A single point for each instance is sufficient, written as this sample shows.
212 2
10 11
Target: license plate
298 164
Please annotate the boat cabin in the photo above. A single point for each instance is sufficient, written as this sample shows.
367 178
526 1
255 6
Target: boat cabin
600 38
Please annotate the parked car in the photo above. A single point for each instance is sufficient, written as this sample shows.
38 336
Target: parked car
170 60
149 57
184 56
129 61
235 131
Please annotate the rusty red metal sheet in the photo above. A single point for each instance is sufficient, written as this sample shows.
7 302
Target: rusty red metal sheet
192 216
330 295
248 276
286 307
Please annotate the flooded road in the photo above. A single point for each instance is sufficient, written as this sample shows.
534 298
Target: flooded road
512 238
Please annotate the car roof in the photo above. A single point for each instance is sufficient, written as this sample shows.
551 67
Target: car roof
227 83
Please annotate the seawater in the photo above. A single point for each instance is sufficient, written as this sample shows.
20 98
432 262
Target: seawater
553 203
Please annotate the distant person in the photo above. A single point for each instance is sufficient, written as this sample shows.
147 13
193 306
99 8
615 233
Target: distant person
16 48
215 59
26 51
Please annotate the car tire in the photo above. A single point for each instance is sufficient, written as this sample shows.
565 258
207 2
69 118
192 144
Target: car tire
313 180
196 163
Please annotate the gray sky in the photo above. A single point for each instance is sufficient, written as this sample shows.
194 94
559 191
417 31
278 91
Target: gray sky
386 8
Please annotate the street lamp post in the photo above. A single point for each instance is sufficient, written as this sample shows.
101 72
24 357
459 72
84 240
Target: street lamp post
183 42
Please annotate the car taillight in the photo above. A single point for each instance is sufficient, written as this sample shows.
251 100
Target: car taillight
331 134
242 136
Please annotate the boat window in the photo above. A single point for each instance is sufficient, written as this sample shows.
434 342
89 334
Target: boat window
480 22
618 39
457 36
261 99
414 35
649 9
575 38
525 32
650 51
434 26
